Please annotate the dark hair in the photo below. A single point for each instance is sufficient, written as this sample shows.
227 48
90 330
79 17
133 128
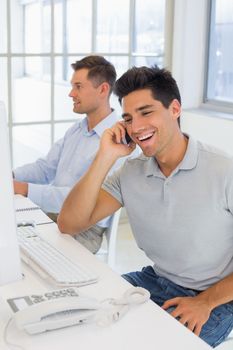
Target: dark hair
160 81
99 69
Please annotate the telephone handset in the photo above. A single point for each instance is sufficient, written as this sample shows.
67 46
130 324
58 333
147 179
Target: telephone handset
38 313
127 137
52 310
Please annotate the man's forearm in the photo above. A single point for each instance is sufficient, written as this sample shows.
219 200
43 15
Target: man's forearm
81 201
220 293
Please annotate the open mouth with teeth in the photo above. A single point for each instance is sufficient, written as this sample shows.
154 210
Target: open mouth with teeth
145 137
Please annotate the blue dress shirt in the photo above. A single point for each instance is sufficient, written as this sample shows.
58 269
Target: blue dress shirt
51 178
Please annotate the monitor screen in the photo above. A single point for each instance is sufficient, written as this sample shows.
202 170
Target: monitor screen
10 268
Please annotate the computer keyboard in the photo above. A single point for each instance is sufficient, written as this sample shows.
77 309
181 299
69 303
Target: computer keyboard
37 251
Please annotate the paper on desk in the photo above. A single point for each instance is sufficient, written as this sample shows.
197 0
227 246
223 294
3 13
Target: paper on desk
27 211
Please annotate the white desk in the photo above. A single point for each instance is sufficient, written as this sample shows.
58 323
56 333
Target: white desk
145 326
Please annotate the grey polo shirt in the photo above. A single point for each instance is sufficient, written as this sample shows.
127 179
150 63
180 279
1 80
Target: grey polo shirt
184 222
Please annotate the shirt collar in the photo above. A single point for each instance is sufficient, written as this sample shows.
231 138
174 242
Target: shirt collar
188 162
106 123
191 155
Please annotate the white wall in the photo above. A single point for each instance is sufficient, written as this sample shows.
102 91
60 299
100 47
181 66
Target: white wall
189 43
210 128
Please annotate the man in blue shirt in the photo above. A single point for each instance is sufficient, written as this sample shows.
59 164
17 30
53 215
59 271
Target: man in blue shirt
48 180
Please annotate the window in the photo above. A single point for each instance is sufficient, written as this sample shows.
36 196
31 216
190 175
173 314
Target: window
220 68
39 39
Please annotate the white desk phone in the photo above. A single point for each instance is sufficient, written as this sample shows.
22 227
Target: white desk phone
67 307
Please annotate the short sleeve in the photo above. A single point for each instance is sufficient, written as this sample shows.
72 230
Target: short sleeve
112 185
229 189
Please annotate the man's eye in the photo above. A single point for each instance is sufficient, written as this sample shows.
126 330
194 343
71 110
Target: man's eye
146 113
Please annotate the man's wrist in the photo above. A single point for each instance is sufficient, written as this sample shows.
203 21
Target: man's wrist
106 159
21 188
208 299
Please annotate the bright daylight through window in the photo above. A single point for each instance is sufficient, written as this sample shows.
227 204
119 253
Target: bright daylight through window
39 39
220 67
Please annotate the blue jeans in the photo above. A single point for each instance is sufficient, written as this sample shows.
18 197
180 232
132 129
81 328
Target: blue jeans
220 322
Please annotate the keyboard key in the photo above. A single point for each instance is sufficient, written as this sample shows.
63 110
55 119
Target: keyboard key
56 265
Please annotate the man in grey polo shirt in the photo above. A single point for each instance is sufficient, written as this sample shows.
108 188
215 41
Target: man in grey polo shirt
179 199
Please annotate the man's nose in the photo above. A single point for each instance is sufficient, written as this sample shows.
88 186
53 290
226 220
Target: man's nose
71 93
137 125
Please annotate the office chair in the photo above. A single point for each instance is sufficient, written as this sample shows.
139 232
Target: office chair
111 235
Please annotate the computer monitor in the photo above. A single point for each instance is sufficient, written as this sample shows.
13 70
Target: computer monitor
10 267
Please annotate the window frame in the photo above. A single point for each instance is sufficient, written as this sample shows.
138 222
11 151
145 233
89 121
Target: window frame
168 28
212 104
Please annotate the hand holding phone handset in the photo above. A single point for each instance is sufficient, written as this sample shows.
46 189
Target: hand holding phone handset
66 307
113 144
127 137
121 135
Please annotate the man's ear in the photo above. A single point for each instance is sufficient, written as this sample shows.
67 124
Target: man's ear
104 88
175 109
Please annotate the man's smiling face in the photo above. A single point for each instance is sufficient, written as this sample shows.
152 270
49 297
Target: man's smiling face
149 123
